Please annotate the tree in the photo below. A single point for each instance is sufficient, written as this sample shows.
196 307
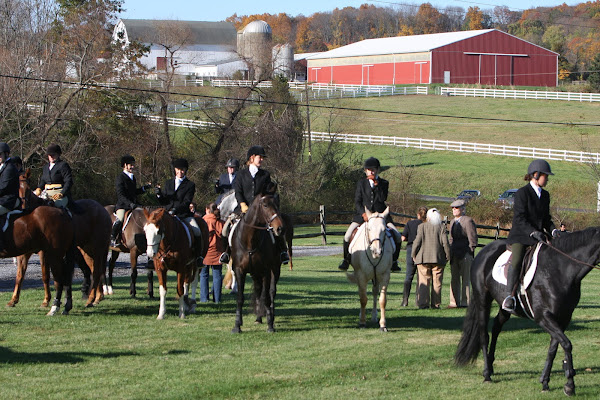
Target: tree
594 76
428 20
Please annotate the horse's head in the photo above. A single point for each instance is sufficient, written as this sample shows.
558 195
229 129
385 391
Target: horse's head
375 231
154 230
264 211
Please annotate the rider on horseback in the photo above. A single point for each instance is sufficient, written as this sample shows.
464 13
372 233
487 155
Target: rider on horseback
56 178
371 192
225 182
178 194
532 223
249 183
127 192
9 184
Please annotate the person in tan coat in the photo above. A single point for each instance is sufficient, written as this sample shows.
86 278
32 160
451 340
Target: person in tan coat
431 252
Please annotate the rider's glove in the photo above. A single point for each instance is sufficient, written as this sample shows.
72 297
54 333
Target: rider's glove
57 196
37 192
539 236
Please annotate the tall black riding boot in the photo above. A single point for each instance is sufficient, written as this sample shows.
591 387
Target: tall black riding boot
224 258
510 302
395 266
405 294
346 261
285 257
116 233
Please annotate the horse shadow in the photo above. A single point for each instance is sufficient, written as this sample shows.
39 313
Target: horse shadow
8 356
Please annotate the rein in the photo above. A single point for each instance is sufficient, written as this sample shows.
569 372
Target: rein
570 257
370 242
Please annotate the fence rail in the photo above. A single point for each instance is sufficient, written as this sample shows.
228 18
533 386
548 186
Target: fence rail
520 94
324 222
465 147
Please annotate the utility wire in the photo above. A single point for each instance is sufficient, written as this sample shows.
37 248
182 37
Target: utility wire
156 91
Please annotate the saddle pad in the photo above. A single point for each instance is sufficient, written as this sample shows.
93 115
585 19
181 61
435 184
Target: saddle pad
359 233
127 220
499 272
233 226
187 231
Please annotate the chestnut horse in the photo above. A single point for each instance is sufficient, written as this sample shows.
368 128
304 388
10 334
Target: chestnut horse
49 231
254 251
92 228
173 247
133 242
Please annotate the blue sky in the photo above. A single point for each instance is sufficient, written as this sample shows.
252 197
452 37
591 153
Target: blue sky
204 10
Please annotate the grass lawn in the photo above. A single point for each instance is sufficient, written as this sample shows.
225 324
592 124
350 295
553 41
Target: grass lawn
119 350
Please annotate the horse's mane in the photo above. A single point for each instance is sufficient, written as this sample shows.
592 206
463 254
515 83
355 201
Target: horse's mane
570 241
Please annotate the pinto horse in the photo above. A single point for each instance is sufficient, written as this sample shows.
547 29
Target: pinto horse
173 247
92 228
254 251
49 232
371 257
553 295
134 243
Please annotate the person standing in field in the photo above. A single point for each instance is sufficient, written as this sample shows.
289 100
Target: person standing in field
463 242
215 249
408 235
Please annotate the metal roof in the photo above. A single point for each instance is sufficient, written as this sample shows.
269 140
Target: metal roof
202 32
258 26
399 44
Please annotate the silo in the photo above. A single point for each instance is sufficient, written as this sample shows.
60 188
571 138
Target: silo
283 60
254 46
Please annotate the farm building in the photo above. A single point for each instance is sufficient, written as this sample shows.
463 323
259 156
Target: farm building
487 57
206 49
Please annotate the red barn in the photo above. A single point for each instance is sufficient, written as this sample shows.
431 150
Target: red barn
487 57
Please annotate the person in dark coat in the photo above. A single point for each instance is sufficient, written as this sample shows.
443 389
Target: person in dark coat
127 192
225 182
532 223
408 235
463 242
371 192
56 178
248 183
178 193
9 184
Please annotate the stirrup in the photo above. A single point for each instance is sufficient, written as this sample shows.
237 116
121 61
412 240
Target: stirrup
224 259
344 265
509 304
285 258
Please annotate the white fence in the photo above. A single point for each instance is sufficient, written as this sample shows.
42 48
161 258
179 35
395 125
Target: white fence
186 123
466 147
520 94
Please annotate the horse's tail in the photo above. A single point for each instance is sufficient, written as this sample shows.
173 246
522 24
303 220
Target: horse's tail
470 341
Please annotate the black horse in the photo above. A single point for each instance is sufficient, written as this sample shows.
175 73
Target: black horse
254 251
554 293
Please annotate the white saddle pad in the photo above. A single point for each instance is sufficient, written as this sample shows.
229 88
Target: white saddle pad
360 230
501 265
235 224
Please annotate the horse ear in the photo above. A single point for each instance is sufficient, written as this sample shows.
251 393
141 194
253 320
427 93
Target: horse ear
146 213
28 173
386 212
271 189
368 212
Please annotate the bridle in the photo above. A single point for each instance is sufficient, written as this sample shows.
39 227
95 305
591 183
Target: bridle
267 227
570 257
370 241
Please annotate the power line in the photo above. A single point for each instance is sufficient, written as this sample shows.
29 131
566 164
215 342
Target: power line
260 101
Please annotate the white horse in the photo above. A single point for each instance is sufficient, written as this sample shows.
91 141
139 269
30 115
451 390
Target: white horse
228 204
371 253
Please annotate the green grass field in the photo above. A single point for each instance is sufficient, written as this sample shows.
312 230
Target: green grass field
119 350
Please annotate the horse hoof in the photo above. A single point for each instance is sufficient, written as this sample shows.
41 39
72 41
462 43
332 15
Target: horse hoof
10 304
383 329
89 305
258 321
65 312
160 317
110 291
569 391
46 303
52 311
487 380
271 330
236 330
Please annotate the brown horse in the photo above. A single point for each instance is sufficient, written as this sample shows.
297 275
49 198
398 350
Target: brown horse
173 247
254 251
134 243
49 231
91 224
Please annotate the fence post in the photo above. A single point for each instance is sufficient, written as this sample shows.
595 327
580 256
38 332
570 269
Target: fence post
323 227
497 230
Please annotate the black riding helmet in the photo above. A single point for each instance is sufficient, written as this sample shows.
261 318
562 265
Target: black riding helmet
181 163
127 159
4 148
539 166
54 150
233 163
256 151
372 163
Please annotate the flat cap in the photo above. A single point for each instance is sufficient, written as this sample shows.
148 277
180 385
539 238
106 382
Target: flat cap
458 203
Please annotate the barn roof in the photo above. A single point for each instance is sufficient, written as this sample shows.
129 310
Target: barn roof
202 32
400 44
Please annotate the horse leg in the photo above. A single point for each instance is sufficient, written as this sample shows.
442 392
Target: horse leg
45 279
96 279
545 378
162 288
241 283
183 287
383 302
490 357
260 294
108 287
556 332
271 309
362 293
375 290
193 301
68 300
21 269
134 274
56 304
150 275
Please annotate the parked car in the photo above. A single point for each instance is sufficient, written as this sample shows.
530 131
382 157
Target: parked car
507 199
468 194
